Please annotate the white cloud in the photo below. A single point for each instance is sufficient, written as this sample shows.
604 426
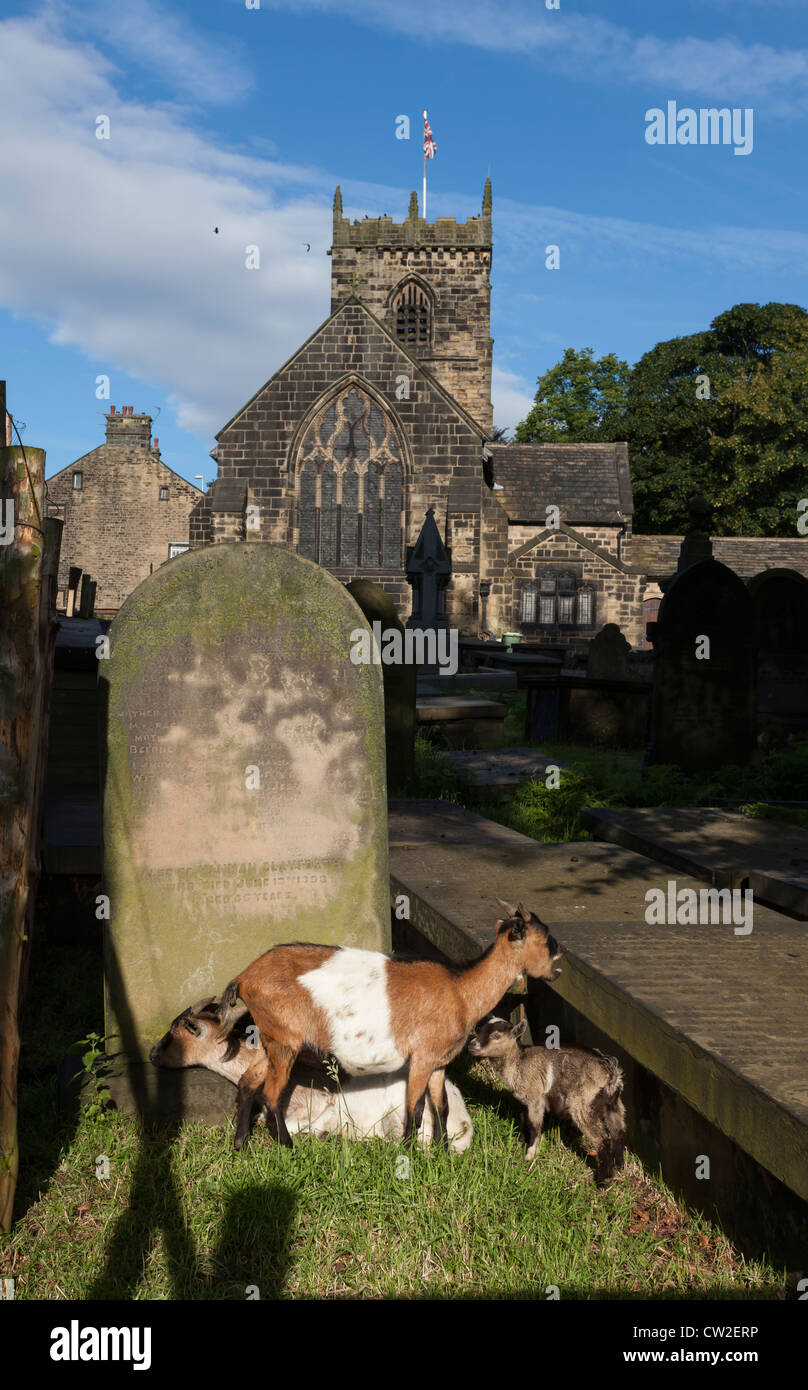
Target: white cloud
584 45
512 397
111 243
164 44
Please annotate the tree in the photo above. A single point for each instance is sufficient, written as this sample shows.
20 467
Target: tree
581 399
722 412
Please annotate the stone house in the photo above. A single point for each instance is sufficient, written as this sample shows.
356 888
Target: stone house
124 510
385 411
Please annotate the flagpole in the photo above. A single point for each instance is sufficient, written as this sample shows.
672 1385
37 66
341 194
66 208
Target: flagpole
424 200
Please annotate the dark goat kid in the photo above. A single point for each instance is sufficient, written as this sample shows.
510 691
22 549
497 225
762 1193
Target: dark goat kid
572 1082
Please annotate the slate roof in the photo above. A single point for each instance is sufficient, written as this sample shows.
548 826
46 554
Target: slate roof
590 483
657 556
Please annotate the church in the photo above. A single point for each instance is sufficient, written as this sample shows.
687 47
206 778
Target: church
385 413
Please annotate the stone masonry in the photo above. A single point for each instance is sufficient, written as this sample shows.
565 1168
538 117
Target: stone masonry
130 509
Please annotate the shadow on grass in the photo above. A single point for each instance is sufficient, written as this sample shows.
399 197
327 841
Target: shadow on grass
64 1002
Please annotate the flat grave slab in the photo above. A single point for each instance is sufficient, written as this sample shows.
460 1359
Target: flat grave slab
717 847
465 720
720 1018
495 772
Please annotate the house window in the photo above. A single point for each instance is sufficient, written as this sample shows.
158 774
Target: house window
163 494
78 482
177 548
411 315
557 601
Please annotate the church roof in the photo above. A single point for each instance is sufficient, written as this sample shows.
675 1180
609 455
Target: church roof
590 483
346 306
658 556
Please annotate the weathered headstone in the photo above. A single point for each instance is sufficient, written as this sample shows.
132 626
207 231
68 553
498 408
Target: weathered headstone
400 678
703 701
244 788
429 569
780 603
608 656
696 544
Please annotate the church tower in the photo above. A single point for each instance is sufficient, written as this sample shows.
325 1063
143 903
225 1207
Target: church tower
430 285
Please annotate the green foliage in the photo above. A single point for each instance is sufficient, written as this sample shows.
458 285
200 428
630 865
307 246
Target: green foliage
581 398
98 1092
434 776
722 412
594 777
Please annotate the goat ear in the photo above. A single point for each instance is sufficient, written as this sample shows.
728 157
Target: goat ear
521 911
519 1028
511 911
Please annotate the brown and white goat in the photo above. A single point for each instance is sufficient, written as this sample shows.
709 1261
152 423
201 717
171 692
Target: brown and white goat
572 1082
375 1013
315 1102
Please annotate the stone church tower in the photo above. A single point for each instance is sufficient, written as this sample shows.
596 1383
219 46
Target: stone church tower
430 284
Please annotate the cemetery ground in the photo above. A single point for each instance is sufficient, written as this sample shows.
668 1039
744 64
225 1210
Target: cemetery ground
182 1216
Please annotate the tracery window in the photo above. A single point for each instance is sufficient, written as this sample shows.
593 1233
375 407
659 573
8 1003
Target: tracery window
411 315
351 492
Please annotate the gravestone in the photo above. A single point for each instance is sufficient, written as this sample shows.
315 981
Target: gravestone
400 679
703 706
429 569
244 799
608 656
696 544
780 604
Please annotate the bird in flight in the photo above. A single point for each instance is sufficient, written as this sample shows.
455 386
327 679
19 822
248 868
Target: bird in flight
307 245
216 230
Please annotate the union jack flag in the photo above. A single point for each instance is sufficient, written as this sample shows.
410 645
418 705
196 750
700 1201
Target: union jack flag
429 144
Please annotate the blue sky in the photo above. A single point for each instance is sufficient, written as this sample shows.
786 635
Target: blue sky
246 119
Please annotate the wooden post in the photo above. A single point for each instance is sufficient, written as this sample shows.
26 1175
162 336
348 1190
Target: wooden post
27 634
87 597
74 575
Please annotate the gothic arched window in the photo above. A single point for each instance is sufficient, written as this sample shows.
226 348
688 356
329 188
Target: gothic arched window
351 492
412 313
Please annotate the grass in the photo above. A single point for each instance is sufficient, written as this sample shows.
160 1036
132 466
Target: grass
186 1217
181 1215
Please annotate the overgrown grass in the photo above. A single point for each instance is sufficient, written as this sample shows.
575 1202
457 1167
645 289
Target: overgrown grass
186 1217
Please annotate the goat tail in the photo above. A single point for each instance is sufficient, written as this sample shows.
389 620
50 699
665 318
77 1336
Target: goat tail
228 1007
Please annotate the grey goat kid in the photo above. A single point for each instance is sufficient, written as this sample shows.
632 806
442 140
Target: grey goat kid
573 1083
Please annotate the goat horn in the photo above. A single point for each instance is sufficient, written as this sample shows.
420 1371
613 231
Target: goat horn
511 911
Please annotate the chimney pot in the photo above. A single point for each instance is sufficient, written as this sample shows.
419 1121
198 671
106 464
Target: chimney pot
112 410
156 442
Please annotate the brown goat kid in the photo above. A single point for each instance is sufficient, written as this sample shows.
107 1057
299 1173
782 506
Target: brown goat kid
576 1084
375 1013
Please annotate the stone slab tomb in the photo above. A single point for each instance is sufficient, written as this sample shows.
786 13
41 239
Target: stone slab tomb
244 798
